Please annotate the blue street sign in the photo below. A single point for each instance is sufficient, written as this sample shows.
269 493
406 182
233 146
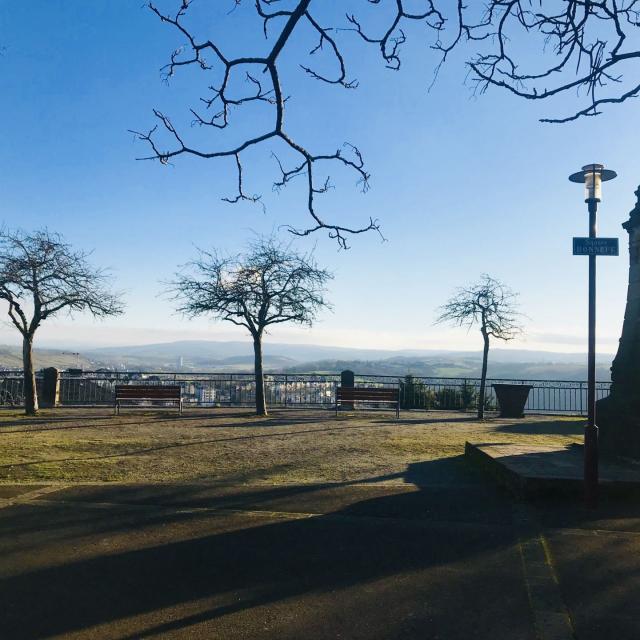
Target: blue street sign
595 247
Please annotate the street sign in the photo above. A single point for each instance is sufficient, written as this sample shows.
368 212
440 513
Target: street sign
595 247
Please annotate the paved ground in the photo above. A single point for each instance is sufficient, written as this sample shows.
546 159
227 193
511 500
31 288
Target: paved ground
597 558
297 562
429 548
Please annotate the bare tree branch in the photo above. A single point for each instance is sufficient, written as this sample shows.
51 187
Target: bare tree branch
193 53
490 304
583 46
269 284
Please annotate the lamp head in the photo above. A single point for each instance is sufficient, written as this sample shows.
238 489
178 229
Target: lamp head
592 176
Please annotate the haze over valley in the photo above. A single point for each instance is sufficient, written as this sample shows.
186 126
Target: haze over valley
237 356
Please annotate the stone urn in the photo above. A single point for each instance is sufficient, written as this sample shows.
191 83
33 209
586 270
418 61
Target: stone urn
512 399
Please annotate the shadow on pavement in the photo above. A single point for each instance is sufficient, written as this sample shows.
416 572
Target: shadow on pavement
596 554
359 561
547 427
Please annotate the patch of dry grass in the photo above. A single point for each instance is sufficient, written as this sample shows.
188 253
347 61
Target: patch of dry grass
233 445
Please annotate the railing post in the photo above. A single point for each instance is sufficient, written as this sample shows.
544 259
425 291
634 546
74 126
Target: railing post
348 379
50 388
286 389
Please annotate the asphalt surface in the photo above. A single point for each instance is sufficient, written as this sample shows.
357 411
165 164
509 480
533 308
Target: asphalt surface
596 555
304 561
438 557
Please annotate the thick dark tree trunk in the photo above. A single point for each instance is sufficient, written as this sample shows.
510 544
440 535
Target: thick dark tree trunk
261 405
30 392
483 377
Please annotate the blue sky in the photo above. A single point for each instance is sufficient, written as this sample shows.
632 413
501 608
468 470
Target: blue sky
462 185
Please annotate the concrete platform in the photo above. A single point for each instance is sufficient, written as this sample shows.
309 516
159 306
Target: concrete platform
531 470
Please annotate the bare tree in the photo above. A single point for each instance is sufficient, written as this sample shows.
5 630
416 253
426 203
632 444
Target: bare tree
40 276
491 305
584 47
269 284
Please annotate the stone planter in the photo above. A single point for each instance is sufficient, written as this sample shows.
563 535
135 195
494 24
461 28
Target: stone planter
511 399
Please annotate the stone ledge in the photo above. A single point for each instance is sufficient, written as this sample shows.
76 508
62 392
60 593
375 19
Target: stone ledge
532 470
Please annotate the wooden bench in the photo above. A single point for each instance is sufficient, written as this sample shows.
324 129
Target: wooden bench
371 395
136 393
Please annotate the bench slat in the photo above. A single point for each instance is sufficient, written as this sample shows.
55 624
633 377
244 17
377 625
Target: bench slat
147 391
366 390
145 387
372 395
148 394
364 393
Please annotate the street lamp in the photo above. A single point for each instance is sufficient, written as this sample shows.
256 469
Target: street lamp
592 175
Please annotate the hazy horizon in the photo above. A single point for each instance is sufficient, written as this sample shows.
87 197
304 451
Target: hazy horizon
237 357
79 336
498 348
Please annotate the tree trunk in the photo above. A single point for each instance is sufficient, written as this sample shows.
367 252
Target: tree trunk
261 405
483 377
30 392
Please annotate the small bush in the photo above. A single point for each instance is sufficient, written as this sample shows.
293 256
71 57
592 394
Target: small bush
416 395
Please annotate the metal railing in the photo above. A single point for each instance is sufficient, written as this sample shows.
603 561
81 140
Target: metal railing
545 396
206 389
11 389
309 390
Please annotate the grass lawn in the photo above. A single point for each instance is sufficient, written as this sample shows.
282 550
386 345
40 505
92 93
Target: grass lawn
234 446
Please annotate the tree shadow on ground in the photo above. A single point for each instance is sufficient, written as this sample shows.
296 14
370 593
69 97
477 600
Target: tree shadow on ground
546 427
371 562
313 498
186 444
47 419
242 419
128 423
420 420
108 418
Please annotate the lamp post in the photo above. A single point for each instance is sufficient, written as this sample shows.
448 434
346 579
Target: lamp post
592 175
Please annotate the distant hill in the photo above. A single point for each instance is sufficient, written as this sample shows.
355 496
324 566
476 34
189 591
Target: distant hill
204 356
189 355
456 368
197 355
217 350
11 358
204 350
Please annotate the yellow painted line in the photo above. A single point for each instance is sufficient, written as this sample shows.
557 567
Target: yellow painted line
552 620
